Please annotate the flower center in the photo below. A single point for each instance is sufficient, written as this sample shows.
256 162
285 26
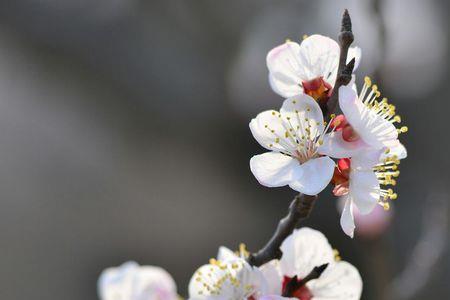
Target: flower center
341 177
302 293
305 153
317 88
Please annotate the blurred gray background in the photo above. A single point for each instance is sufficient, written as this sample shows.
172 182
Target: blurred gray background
124 136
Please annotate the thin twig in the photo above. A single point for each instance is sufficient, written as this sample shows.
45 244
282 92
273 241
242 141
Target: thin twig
299 209
345 70
294 284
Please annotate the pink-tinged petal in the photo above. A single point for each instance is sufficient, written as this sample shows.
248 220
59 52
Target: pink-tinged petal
315 176
335 146
285 71
372 128
131 281
303 250
302 111
340 281
364 190
274 169
319 56
374 224
347 221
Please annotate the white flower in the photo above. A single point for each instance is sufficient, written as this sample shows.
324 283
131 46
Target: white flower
229 277
309 68
367 123
293 135
306 249
133 282
360 179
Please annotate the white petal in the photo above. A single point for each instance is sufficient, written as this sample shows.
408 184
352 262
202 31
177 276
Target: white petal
154 283
272 273
303 250
347 221
285 72
274 169
204 284
207 274
130 281
372 128
367 159
335 146
354 52
226 254
315 176
319 56
340 281
269 130
398 150
303 112
364 190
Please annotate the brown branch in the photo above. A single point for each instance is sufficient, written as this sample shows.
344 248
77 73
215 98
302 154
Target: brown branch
344 72
299 209
294 284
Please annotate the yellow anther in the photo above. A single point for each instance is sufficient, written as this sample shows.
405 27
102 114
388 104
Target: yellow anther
305 36
337 256
367 81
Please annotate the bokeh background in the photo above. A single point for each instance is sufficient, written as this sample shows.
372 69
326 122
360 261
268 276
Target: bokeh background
124 136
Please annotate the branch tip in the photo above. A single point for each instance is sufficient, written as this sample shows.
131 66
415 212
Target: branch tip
346 24
294 284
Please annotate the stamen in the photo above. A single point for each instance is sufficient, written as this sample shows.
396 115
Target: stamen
386 171
381 108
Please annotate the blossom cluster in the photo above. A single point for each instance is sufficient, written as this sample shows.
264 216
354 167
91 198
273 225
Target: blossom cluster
363 140
358 152
230 276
